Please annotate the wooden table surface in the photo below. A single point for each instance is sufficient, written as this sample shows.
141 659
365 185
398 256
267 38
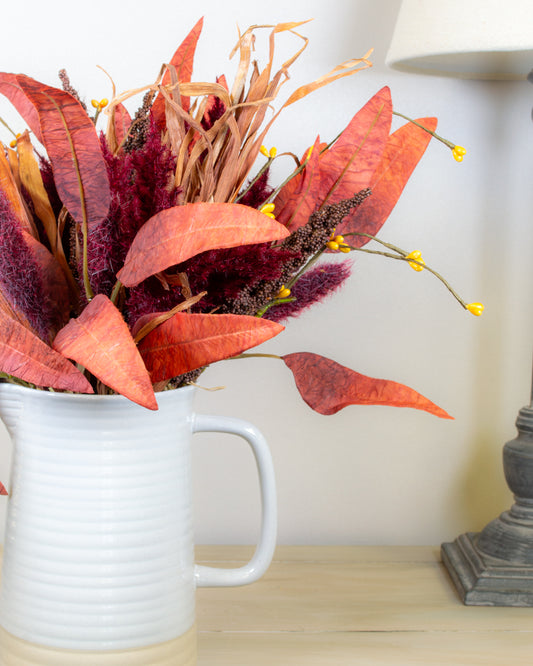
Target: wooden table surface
325 606
374 606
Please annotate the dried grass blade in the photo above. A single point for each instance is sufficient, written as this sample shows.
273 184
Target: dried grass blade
344 69
31 179
8 186
13 159
228 168
197 89
245 48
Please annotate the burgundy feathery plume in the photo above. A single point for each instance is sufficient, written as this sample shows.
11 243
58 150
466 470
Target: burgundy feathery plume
222 273
140 187
312 287
20 278
256 194
304 243
49 185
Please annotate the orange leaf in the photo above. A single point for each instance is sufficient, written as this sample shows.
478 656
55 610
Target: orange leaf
189 341
182 61
402 153
347 167
10 87
99 339
24 355
70 139
176 234
327 387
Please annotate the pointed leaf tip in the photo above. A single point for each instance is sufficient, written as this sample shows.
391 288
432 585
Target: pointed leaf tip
24 355
100 340
327 387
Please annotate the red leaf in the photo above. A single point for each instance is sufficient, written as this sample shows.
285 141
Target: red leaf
9 86
348 166
122 122
100 340
3 490
343 170
298 199
24 355
402 153
182 60
327 387
70 139
178 233
189 341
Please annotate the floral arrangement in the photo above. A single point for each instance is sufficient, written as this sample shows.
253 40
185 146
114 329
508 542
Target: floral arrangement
132 258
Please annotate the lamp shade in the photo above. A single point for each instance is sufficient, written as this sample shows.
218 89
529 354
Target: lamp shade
476 39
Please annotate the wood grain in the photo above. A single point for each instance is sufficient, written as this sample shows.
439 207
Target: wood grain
353 605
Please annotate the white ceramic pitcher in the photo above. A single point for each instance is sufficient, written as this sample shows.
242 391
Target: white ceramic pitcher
98 552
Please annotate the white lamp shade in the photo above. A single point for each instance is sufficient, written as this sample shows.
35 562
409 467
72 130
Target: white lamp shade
476 39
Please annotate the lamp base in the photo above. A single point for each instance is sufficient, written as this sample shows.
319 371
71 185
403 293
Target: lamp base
494 567
482 580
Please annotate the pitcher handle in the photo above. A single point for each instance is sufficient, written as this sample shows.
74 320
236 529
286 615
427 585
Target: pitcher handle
256 567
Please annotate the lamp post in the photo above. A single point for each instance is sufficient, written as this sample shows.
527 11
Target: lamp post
493 40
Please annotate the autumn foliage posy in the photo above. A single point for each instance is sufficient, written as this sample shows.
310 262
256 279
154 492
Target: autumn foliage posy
146 253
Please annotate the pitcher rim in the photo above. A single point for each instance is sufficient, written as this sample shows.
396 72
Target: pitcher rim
90 397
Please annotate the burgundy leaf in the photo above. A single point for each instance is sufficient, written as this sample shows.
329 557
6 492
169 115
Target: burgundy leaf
9 86
70 139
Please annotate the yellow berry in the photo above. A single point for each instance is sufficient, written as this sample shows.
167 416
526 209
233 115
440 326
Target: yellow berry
345 248
95 103
103 102
417 264
284 292
332 245
475 308
13 143
272 152
263 150
267 208
338 239
458 153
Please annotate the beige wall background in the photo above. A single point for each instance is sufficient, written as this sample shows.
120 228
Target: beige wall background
367 475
